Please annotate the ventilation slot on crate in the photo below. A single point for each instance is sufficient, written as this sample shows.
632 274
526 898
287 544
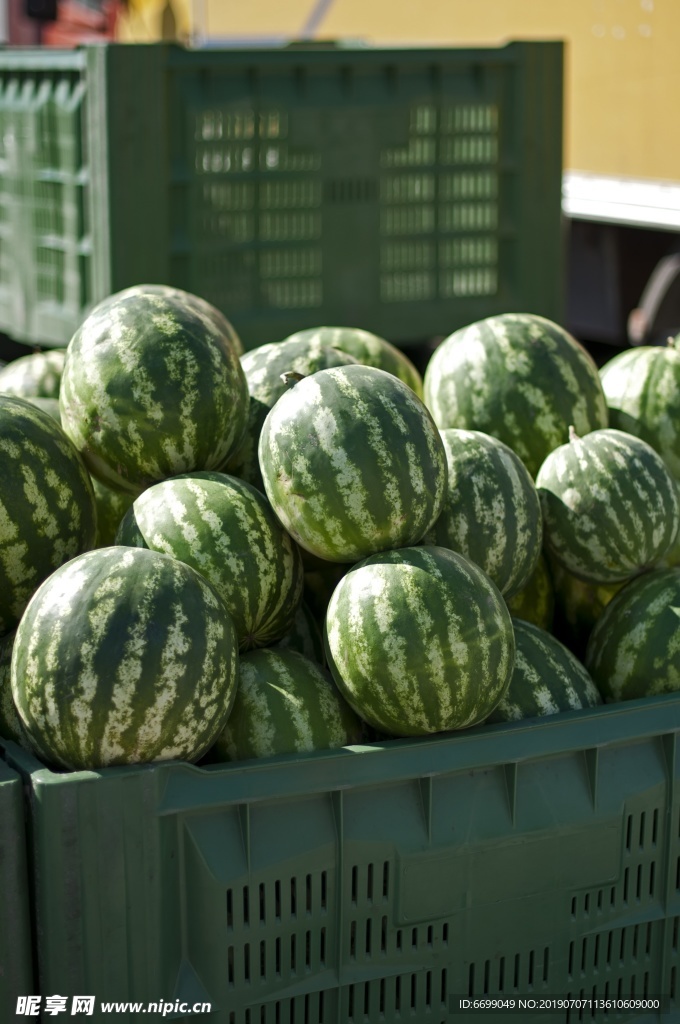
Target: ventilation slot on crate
411 996
518 972
455 201
633 986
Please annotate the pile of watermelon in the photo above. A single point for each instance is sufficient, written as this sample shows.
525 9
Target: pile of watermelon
212 554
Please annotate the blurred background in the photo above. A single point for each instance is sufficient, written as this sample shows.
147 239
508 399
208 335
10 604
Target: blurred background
621 153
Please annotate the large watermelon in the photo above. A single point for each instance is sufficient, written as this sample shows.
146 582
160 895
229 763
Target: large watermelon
285 704
198 304
47 509
547 678
419 640
226 530
352 463
634 648
124 656
264 368
610 506
37 375
366 348
492 513
519 377
151 388
642 389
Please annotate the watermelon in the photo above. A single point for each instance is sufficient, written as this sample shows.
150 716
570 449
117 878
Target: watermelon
37 375
10 723
304 635
419 641
226 530
195 302
519 377
547 678
352 463
111 507
264 368
634 648
578 606
535 602
151 388
285 704
642 389
366 348
610 506
492 513
124 656
47 508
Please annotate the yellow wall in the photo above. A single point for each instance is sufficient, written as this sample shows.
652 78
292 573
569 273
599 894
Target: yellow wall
622 62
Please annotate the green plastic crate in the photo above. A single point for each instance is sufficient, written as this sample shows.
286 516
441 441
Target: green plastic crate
16 953
407 192
373 884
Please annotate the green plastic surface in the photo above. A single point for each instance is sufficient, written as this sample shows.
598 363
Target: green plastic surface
373 884
16 953
407 192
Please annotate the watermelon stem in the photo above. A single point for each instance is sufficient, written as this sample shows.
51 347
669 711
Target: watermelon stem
291 377
573 436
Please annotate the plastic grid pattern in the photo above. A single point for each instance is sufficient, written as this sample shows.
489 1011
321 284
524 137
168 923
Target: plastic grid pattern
16 950
404 191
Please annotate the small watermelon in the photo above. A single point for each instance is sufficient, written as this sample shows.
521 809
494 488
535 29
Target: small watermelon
610 506
419 640
151 388
366 348
547 678
37 375
492 513
535 602
285 704
123 656
264 370
352 463
642 389
634 648
226 530
519 377
47 507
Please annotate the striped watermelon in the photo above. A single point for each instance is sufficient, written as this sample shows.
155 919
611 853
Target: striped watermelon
37 375
124 656
47 509
492 513
419 640
264 368
519 377
194 302
285 704
547 678
366 348
226 530
352 463
535 602
634 648
642 389
151 388
610 506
